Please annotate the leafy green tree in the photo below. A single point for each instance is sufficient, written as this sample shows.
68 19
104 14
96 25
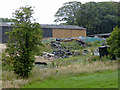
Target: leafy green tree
24 41
119 14
87 16
114 42
67 12
99 17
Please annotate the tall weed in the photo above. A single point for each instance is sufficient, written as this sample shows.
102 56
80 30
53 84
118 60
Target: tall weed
39 75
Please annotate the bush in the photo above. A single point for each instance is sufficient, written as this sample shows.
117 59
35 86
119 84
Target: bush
109 57
47 47
96 43
93 58
72 45
114 42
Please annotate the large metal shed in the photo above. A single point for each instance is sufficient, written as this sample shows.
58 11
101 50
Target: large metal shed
50 30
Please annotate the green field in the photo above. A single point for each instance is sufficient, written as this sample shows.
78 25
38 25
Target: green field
106 79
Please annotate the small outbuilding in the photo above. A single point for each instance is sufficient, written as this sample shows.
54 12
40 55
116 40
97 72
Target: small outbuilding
105 35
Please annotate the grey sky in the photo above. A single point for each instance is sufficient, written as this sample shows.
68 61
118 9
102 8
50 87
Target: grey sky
44 9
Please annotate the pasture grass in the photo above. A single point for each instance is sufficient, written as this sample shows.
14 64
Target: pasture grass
107 79
71 60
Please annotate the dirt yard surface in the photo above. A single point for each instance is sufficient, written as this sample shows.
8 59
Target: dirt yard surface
2 46
38 58
41 59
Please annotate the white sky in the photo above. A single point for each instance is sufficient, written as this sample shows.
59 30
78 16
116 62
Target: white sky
44 9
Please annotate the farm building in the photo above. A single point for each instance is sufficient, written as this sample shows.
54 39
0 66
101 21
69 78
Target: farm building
55 31
62 31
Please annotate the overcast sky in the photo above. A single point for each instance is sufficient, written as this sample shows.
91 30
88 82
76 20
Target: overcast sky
44 9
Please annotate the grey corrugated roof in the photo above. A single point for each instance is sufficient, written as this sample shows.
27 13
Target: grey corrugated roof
53 26
3 24
6 23
62 26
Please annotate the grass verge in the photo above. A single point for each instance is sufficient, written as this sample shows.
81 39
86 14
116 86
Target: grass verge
107 79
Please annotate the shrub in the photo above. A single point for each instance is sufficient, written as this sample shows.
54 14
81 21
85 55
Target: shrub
114 42
72 45
93 58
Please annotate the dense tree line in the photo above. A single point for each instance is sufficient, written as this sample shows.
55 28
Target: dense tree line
99 17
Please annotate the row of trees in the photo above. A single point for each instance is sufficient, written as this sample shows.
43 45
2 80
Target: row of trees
5 20
99 17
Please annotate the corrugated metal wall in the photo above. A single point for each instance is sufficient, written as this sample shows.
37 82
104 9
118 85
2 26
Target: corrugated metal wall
4 39
0 34
5 36
47 32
